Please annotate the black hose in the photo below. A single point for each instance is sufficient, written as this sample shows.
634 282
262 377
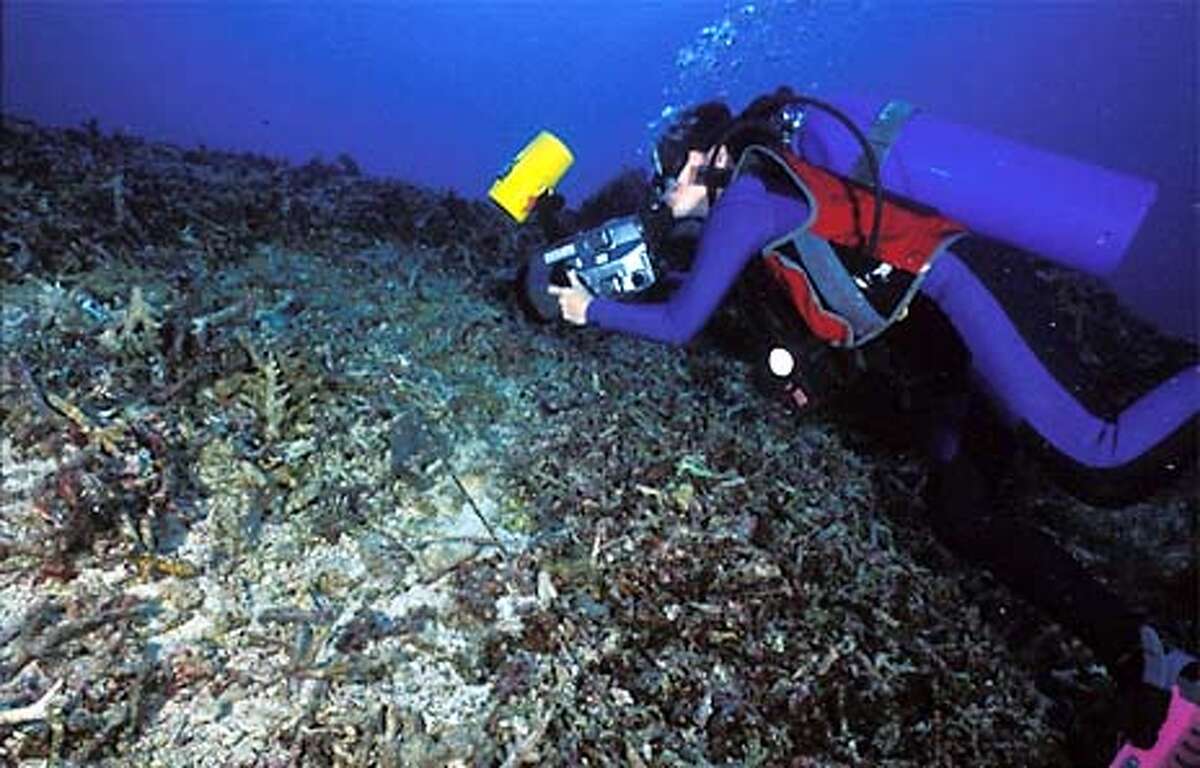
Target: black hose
868 152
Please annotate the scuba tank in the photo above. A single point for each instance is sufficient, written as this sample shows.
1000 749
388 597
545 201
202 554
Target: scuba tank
1081 214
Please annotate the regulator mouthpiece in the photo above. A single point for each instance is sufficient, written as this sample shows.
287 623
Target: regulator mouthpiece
534 171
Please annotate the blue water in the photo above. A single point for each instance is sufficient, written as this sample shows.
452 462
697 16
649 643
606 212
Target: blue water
443 93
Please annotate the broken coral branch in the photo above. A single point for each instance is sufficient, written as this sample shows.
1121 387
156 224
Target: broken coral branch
35 712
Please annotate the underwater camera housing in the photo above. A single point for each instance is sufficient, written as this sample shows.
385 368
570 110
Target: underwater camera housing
613 260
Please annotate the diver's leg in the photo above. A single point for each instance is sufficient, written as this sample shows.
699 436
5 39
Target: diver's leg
1160 427
969 449
964 517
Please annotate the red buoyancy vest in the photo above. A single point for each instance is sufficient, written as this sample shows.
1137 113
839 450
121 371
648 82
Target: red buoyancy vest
845 298
908 237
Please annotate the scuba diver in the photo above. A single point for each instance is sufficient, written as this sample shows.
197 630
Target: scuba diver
857 267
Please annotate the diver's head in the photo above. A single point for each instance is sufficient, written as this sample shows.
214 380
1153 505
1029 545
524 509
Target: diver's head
693 159
684 155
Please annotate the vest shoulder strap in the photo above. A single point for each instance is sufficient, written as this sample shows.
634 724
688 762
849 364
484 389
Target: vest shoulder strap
882 135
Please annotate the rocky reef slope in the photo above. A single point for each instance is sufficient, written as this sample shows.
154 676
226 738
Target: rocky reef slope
289 479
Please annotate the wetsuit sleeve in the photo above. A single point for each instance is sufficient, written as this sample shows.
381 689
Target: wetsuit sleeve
741 223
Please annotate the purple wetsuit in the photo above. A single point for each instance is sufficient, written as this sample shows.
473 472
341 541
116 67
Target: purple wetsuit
747 217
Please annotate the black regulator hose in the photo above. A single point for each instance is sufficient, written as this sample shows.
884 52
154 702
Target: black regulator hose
868 153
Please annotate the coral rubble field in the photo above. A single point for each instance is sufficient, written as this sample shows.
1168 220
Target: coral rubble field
288 478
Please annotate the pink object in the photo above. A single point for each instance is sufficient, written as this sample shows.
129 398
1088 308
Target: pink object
1178 744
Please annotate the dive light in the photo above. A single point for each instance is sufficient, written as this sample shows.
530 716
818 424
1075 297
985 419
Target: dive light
533 172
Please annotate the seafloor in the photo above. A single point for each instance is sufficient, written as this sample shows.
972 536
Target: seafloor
289 479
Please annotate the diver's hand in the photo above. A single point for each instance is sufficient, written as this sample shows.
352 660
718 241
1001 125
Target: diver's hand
573 302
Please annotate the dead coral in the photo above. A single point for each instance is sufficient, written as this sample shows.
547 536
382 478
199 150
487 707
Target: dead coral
268 394
288 480
135 330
